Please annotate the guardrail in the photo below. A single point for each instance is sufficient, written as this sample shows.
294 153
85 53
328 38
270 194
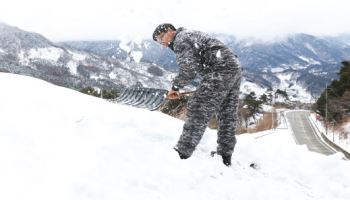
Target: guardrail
330 143
335 146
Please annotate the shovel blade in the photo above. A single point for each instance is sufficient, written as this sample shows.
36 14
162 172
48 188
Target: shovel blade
141 97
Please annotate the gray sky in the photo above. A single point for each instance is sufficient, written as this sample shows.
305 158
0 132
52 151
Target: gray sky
136 19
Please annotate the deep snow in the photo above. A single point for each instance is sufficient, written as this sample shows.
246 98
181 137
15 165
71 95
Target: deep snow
56 143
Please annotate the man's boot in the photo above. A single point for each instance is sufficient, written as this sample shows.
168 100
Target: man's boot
226 160
182 156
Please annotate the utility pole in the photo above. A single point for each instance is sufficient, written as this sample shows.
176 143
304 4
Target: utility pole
271 118
326 109
333 130
272 112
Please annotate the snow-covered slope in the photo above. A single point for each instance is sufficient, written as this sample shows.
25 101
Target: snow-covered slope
28 53
56 143
295 91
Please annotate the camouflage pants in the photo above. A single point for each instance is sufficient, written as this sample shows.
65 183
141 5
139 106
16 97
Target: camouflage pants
217 94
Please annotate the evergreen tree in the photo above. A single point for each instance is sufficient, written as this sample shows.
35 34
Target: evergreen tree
269 95
90 91
252 105
334 97
106 94
110 94
282 93
263 98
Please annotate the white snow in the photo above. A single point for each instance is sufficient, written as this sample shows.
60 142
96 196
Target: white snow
78 56
23 59
296 90
297 66
50 53
146 45
112 75
309 60
57 144
277 69
347 127
73 66
308 46
218 54
96 77
196 45
128 47
2 51
124 45
142 75
136 55
288 83
76 59
333 135
248 87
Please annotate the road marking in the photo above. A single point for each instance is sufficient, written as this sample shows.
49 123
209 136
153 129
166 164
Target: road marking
320 141
301 127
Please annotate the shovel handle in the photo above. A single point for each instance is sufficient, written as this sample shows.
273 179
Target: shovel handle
186 93
183 93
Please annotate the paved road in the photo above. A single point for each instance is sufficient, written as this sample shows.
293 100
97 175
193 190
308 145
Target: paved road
305 134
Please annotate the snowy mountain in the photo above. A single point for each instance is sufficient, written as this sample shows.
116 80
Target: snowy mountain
151 51
301 64
310 62
31 54
61 144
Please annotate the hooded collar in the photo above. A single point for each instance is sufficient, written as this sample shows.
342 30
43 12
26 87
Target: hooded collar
171 44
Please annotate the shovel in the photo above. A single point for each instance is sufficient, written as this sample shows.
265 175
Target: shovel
150 98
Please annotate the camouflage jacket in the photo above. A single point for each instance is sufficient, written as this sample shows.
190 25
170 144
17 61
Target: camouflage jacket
199 53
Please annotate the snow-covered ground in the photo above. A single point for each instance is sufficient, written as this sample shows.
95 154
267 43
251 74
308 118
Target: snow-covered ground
296 92
51 54
247 87
56 143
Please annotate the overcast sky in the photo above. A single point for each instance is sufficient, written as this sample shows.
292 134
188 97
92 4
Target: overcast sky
60 20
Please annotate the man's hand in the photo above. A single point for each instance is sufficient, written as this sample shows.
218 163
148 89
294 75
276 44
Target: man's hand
173 94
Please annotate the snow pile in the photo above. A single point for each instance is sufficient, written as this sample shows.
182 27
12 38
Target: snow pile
59 144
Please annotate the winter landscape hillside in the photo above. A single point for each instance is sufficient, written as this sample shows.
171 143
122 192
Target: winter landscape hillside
299 64
29 53
56 143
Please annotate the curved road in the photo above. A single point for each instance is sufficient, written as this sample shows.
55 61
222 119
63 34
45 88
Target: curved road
304 132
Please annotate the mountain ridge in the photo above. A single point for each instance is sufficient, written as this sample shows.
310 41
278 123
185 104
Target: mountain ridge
307 60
